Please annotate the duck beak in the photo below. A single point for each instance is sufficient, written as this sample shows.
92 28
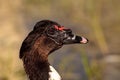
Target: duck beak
75 39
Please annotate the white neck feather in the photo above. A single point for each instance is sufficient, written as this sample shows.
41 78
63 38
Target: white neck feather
54 74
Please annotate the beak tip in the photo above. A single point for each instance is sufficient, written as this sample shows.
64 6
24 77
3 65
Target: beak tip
84 40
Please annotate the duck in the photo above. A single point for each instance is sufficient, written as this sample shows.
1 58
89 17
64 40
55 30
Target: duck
46 37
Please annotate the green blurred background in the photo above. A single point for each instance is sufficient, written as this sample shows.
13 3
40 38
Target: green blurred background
98 20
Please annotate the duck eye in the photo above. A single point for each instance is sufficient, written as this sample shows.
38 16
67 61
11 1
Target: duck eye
51 31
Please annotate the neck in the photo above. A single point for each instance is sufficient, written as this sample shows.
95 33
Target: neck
36 60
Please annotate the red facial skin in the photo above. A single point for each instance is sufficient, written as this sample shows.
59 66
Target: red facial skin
60 29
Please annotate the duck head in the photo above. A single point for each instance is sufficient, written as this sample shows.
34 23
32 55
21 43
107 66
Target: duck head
55 36
62 35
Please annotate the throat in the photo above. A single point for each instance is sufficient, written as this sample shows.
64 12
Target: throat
36 66
36 60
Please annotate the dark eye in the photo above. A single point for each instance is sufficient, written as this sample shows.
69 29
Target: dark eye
51 31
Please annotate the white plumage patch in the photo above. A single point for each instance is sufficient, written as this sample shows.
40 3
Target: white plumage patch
73 38
54 74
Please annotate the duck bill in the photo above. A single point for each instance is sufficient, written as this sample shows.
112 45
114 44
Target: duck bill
75 39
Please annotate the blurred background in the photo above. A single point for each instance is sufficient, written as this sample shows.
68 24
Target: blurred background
98 20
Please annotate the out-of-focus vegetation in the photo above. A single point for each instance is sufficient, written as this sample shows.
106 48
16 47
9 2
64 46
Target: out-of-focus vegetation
98 20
